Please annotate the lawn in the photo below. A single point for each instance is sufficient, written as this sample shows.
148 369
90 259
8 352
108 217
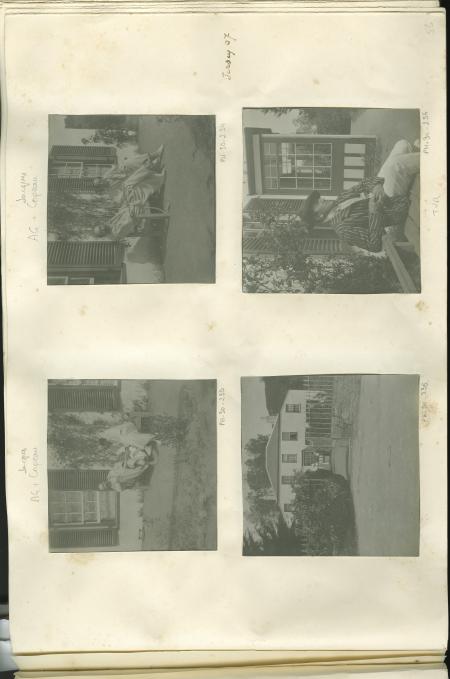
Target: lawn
189 159
180 504
384 466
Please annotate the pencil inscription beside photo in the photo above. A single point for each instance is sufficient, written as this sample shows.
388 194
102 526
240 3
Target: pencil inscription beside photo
132 465
331 200
131 199
330 465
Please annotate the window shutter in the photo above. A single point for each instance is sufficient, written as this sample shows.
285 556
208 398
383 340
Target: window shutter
86 538
100 154
87 254
76 479
95 398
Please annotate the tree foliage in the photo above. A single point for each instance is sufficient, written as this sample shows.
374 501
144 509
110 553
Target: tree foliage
79 444
255 464
74 216
273 539
101 122
112 137
323 513
293 271
317 120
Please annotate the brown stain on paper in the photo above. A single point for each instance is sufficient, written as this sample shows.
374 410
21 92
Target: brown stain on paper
428 413
82 558
421 306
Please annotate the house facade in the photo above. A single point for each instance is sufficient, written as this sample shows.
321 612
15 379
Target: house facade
81 516
300 442
75 168
282 170
84 395
86 263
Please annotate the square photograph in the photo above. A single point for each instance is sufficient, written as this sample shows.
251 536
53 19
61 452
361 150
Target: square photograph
131 199
132 465
331 200
330 465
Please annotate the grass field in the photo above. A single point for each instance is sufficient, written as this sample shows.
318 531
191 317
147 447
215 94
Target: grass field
180 505
384 461
190 189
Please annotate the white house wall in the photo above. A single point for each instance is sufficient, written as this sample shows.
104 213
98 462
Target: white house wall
290 422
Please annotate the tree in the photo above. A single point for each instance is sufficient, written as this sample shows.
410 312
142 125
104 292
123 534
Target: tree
323 512
292 271
170 430
255 464
273 539
278 111
101 122
113 137
77 444
323 121
74 216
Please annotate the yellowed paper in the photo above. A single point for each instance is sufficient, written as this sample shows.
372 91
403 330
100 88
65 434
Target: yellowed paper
71 61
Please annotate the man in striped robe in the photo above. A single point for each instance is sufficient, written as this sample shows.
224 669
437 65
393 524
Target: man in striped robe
360 215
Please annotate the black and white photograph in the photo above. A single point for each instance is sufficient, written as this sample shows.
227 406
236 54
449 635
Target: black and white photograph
331 200
131 199
132 465
330 465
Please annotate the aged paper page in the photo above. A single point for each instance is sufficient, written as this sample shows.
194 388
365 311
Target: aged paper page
154 63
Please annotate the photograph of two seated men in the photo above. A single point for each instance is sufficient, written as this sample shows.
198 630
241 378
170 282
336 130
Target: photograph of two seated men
331 200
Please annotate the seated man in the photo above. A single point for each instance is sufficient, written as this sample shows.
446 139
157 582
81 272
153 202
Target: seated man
360 215
134 462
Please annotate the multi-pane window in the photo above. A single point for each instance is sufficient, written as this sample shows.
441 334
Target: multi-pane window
308 458
74 507
60 168
287 480
292 407
289 457
95 170
289 436
292 165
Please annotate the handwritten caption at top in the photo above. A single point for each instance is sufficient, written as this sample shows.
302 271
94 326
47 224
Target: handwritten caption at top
229 42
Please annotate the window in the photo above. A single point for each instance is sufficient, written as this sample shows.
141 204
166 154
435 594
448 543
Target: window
289 436
288 507
292 407
95 171
60 168
74 507
308 458
80 280
287 480
58 280
70 280
289 165
289 457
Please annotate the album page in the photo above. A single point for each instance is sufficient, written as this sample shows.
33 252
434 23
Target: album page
224 254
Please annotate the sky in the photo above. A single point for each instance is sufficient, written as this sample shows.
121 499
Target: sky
254 408
61 135
254 117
